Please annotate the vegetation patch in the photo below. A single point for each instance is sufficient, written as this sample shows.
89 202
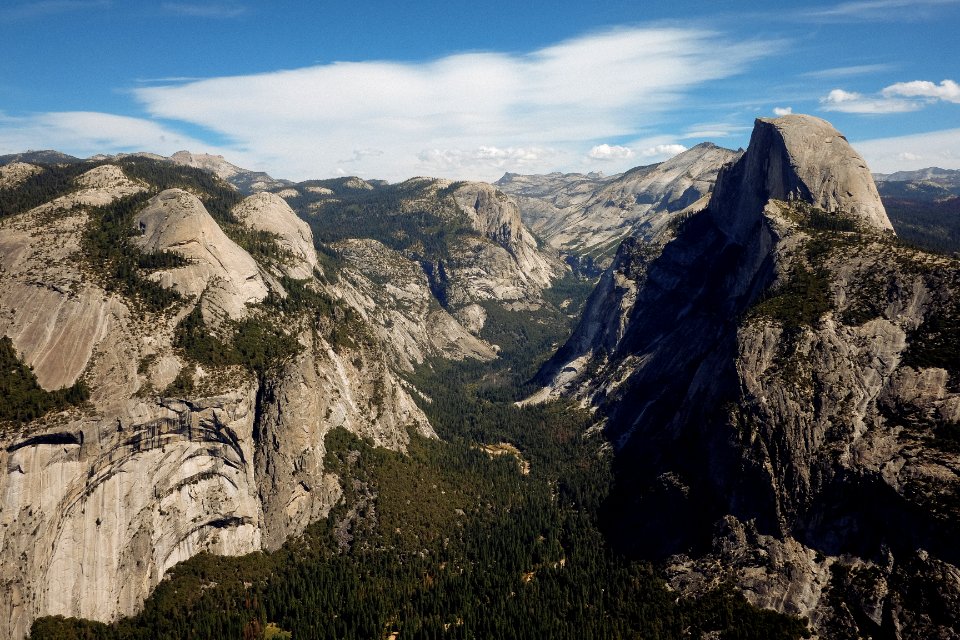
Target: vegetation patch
52 182
800 301
254 343
23 397
932 225
936 342
339 324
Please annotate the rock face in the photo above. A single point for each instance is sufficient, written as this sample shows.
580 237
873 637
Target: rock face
588 215
464 241
225 275
270 213
504 264
808 160
781 385
99 501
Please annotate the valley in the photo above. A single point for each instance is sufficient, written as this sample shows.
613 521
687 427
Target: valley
715 396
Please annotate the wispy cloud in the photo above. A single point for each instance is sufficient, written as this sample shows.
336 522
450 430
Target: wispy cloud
877 10
848 72
661 151
782 111
853 102
205 10
464 115
42 8
906 153
714 130
167 80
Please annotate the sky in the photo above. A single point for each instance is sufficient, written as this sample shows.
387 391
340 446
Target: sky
470 90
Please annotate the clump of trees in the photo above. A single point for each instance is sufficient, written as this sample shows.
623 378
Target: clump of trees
23 399
257 344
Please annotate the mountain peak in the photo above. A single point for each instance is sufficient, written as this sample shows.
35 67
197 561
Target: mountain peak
799 157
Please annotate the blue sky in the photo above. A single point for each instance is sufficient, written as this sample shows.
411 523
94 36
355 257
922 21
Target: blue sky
473 89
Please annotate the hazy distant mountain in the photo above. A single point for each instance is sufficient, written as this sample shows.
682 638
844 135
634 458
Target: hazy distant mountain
43 157
936 175
924 206
244 180
588 215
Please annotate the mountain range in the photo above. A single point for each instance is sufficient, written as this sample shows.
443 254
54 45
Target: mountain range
727 366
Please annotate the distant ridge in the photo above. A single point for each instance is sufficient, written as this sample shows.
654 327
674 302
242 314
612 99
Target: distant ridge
48 156
244 180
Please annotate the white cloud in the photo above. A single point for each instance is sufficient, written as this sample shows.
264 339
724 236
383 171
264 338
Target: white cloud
445 113
896 98
610 152
852 102
907 153
493 160
782 111
947 90
85 133
663 151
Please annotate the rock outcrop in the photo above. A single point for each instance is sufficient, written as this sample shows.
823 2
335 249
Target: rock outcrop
783 388
502 263
244 180
225 275
98 501
16 173
270 213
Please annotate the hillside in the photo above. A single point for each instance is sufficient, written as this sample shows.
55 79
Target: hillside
780 377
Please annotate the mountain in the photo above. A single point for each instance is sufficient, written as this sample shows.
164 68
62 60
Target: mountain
780 382
945 178
588 215
243 180
466 237
175 356
924 206
42 157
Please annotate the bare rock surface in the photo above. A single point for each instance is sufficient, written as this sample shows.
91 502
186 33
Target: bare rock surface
270 213
219 270
16 173
393 295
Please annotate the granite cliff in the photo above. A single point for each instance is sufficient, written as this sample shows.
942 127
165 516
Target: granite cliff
219 348
779 383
